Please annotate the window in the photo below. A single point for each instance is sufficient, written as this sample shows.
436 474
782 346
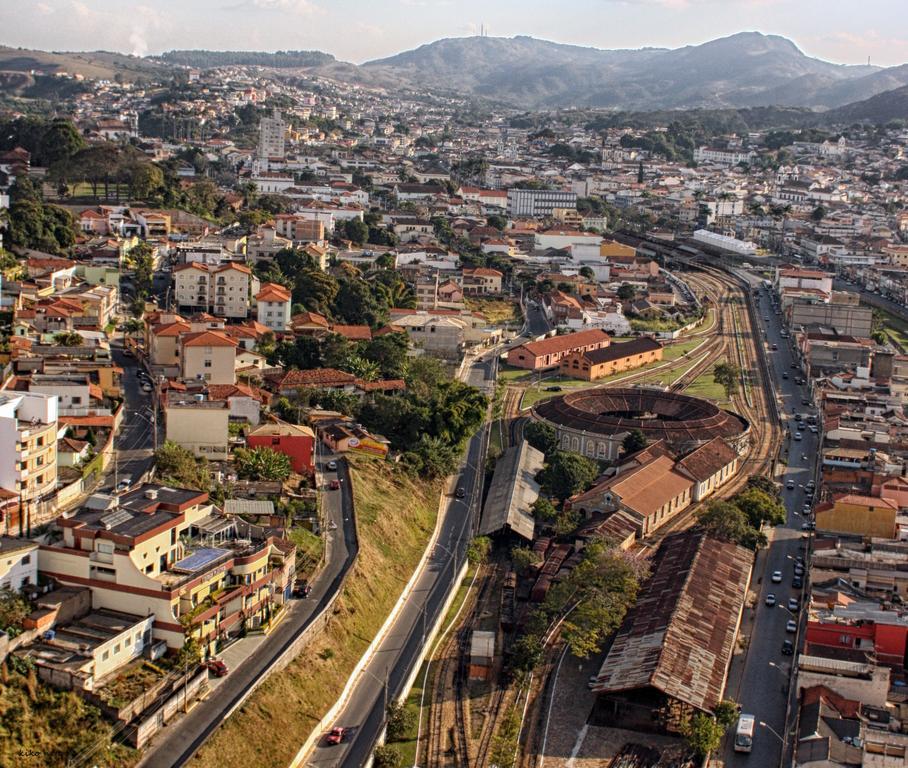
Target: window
207 363
127 642
105 656
76 400
116 648
27 560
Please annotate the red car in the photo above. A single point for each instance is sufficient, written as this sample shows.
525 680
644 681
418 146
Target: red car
217 667
334 485
335 735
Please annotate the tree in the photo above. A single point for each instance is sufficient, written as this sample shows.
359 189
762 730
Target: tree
818 213
567 473
760 507
566 522
141 258
13 609
523 558
145 181
315 290
478 551
178 466
702 734
386 757
764 484
726 713
498 222
68 339
389 352
544 510
262 464
542 436
724 520
58 143
356 303
526 653
626 292
356 231
727 374
431 457
635 441
400 721
587 272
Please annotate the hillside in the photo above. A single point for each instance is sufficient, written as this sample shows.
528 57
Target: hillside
890 105
97 65
279 59
746 69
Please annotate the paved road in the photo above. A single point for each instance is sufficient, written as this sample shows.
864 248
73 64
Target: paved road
135 441
384 676
178 741
537 323
763 688
873 299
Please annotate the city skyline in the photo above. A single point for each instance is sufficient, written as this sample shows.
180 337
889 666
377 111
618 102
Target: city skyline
357 31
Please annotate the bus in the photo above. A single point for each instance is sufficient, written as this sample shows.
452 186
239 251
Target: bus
744 735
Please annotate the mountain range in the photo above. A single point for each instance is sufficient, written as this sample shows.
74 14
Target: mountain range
748 69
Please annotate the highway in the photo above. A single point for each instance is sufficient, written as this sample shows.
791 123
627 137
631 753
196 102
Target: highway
763 689
176 744
384 676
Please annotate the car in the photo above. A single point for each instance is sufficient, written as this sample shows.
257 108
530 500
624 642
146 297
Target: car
797 582
334 485
775 347
788 648
806 401
777 577
798 569
790 485
798 435
770 600
124 483
591 681
784 375
554 388
302 588
335 735
460 493
765 318
814 429
331 465
217 667
146 386
805 526
793 604
791 626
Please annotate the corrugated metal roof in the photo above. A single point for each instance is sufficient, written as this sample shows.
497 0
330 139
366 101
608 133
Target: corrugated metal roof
679 637
248 507
512 492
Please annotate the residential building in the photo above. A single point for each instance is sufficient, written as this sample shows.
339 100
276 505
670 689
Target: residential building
481 281
199 425
28 445
722 156
165 553
223 290
293 440
18 563
859 515
272 136
207 356
273 307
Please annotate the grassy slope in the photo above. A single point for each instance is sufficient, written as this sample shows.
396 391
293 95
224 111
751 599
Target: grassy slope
396 517
94 64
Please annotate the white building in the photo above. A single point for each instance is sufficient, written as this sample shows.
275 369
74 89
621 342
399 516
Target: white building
722 156
224 291
28 444
538 203
273 306
18 563
272 136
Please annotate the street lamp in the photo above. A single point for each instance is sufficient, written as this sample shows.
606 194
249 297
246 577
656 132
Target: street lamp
773 731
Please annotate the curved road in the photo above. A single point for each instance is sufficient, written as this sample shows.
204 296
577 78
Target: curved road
178 741
384 676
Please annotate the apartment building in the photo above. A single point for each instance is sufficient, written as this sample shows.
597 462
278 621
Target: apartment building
272 136
166 553
482 281
28 445
207 356
223 290
198 424
273 307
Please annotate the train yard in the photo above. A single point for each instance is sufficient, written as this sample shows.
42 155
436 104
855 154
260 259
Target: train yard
468 714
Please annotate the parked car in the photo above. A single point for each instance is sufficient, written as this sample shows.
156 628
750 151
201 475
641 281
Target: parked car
797 582
591 681
217 667
793 604
335 735
791 626
331 465
554 388
334 485
124 483
784 375
790 485
777 577
788 648
460 493
302 588
770 599
798 435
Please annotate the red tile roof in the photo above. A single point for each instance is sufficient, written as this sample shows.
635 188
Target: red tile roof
207 339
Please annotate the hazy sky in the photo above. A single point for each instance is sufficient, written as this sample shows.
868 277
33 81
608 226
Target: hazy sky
357 30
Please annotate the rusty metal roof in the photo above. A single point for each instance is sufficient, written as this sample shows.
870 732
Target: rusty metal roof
670 416
680 635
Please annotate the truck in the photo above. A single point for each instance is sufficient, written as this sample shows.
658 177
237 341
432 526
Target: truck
744 733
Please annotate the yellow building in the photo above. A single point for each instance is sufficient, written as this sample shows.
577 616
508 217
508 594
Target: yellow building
28 444
200 426
609 248
208 356
859 515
